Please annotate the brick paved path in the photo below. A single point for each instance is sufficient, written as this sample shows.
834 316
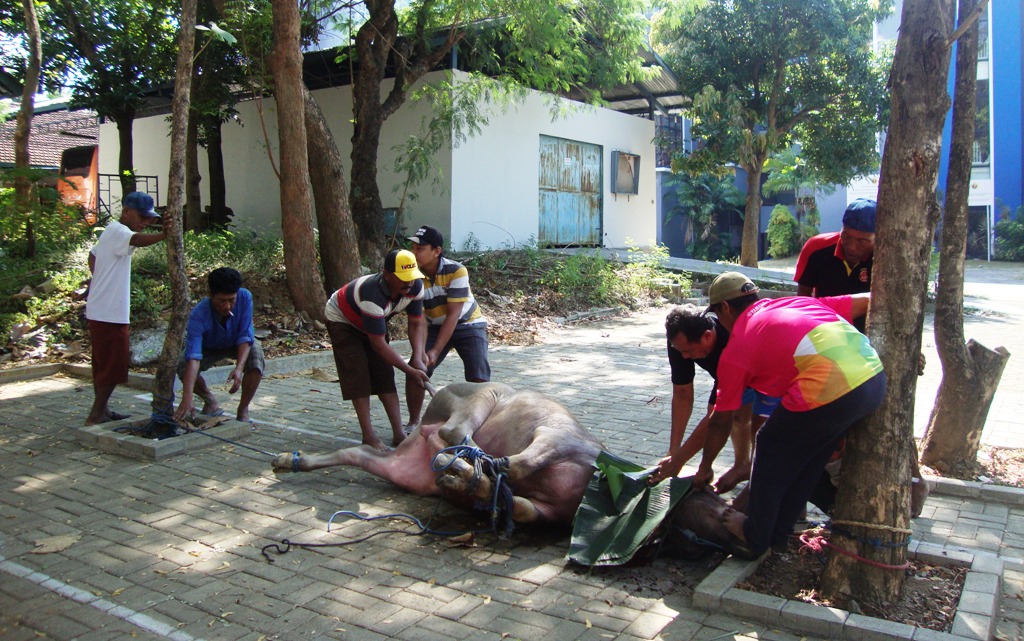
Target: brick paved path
172 549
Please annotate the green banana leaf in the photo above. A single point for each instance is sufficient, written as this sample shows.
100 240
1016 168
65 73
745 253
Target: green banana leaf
620 511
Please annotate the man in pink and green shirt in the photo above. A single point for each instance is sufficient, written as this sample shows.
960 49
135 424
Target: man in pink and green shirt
807 351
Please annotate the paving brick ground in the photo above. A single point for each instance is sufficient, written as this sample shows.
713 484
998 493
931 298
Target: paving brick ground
172 549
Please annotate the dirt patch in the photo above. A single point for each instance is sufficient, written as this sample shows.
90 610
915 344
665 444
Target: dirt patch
929 599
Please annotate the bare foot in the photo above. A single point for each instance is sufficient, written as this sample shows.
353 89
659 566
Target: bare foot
242 416
736 475
733 522
376 444
918 494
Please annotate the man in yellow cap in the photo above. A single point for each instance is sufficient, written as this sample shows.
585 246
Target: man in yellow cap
357 321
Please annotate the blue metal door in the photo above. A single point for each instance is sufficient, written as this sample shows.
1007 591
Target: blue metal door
570 201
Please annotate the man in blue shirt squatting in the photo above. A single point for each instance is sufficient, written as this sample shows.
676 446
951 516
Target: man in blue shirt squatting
453 317
220 327
357 322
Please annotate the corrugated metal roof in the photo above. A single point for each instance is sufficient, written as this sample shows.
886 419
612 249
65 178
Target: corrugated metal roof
52 132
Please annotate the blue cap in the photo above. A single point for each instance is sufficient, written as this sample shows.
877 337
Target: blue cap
860 215
140 202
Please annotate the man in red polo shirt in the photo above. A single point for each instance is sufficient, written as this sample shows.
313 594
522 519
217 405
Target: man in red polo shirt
839 263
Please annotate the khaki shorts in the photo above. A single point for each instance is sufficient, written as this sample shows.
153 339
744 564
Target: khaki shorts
362 372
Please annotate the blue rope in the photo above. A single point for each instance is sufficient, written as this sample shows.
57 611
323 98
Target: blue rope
502 500
502 497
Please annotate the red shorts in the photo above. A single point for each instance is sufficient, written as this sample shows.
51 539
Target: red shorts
109 353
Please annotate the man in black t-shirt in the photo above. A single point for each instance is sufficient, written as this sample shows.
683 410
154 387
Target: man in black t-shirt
696 338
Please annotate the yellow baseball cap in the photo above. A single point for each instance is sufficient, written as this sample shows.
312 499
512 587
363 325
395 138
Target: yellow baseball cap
402 263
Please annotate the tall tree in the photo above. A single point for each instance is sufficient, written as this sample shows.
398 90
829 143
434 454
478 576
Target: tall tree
303 278
553 45
113 51
163 382
23 126
871 520
339 240
971 371
763 74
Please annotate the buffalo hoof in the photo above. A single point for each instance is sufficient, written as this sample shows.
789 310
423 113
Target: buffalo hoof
287 462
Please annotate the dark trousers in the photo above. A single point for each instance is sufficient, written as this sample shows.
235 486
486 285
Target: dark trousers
790 454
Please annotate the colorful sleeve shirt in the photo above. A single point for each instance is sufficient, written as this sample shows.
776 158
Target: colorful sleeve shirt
206 332
366 304
802 349
450 285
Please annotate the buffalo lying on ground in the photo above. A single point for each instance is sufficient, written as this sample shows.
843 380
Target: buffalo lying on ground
542 450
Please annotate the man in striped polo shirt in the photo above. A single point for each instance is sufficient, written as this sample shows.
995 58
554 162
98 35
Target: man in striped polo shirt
453 317
357 322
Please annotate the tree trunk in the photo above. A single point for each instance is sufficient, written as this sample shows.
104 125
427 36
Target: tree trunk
872 513
195 219
125 157
304 284
218 216
339 243
23 126
971 373
163 382
752 213
374 41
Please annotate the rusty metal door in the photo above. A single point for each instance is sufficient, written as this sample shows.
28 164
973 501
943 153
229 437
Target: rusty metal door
570 200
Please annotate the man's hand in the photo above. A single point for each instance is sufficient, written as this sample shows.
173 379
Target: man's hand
419 376
920 364
431 357
235 378
667 468
185 409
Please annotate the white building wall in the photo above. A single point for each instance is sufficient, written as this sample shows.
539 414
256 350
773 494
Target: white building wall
253 188
495 186
488 186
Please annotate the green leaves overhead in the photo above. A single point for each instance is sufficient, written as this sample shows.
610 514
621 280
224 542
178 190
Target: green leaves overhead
765 74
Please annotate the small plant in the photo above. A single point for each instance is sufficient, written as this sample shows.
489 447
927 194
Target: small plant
1010 237
784 237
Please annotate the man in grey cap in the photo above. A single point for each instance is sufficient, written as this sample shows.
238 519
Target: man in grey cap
109 301
806 351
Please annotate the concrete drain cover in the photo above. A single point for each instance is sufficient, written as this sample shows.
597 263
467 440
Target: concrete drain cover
105 437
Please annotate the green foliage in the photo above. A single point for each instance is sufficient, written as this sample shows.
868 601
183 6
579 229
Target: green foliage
783 233
65 265
764 75
704 200
53 224
1010 237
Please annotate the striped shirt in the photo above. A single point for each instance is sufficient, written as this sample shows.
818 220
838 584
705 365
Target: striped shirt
450 285
366 304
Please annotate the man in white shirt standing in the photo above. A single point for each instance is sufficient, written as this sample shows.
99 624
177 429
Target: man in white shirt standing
108 305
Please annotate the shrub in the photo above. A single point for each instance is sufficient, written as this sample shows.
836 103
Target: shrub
783 233
1010 237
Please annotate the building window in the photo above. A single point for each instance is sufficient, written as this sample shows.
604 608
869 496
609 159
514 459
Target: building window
981 138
